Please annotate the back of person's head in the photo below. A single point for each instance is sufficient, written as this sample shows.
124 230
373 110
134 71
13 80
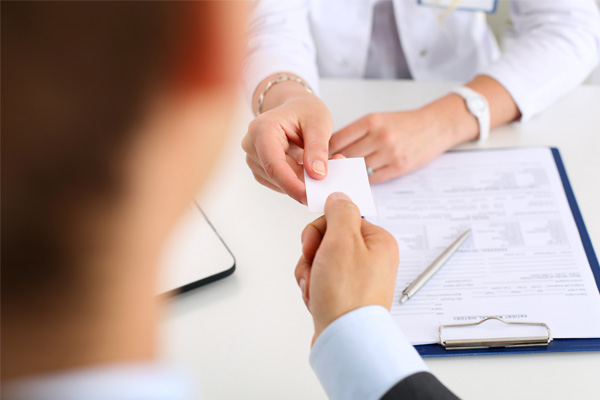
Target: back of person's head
80 83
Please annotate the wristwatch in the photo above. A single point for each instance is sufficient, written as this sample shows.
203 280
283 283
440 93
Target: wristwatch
478 106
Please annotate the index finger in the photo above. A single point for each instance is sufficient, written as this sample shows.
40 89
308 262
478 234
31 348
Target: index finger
348 135
272 156
312 236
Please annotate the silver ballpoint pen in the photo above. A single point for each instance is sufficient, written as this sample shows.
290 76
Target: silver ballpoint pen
433 268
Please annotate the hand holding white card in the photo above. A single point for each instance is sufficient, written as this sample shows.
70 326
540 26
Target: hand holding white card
349 176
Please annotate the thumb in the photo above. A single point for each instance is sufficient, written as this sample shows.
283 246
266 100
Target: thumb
316 149
343 218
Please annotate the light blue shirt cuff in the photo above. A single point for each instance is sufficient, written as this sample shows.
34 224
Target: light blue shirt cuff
363 354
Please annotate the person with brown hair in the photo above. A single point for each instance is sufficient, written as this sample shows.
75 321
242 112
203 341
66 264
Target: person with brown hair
113 113
112 118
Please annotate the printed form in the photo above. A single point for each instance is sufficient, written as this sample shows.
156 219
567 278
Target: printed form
523 262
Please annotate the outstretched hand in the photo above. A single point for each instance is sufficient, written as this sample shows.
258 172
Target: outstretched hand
284 140
346 263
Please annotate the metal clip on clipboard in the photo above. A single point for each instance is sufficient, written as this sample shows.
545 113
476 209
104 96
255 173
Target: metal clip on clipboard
469 344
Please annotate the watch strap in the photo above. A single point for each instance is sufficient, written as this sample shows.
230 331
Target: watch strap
482 116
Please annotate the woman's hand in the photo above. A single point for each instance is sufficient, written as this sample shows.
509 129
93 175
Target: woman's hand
393 144
397 143
346 263
292 134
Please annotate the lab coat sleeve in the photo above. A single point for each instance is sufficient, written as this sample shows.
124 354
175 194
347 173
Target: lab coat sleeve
279 40
557 46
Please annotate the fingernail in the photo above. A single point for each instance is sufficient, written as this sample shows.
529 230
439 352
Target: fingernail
339 196
303 201
319 167
302 284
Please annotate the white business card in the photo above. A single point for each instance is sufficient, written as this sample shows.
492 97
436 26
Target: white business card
349 176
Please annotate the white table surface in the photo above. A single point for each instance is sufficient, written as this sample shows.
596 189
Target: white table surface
248 336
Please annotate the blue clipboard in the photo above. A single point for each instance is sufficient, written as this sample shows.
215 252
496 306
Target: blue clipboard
557 345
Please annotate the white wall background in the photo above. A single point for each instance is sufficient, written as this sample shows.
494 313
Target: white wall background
500 24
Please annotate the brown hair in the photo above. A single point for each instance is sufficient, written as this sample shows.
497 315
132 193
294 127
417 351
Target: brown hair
75 76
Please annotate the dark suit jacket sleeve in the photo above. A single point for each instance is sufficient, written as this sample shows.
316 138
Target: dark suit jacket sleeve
420 386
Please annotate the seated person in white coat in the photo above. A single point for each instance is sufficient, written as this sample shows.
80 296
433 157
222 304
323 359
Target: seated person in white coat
113 113
293 43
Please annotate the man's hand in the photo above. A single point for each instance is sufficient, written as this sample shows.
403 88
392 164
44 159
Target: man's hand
287 138
346 263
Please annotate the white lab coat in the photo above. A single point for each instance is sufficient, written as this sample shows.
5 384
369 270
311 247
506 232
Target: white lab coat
557 44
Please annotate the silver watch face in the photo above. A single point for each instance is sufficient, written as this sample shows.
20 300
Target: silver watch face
476 105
